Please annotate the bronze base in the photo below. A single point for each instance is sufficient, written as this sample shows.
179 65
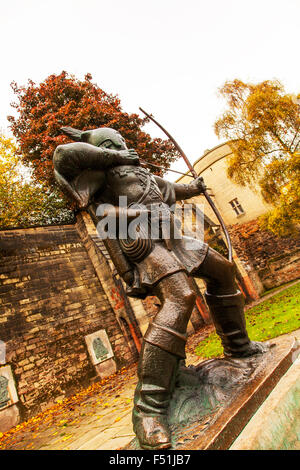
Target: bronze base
214 400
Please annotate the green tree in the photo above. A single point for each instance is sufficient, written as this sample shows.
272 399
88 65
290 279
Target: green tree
262 124
23 202
62 100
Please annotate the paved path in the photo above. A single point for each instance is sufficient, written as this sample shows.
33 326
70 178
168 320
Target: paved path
98 418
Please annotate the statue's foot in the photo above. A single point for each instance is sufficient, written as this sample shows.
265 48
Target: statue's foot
254 348
153 432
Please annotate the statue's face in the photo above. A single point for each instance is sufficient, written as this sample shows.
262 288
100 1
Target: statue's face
105 137
117 143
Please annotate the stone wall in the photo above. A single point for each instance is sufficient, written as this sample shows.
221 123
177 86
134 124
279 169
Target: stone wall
275 260
50 299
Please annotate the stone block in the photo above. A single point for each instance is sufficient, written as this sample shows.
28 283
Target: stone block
106 368
9 418
2 352
276 424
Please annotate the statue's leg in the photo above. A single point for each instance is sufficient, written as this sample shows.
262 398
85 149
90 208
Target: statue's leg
163 347
226 305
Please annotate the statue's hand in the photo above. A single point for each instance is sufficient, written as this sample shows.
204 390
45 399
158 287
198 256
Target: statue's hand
128 157
199 185
128 277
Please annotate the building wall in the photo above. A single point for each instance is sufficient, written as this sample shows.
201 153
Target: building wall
275 260
212 166
50 298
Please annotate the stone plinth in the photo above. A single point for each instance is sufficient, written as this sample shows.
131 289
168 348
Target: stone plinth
213 401
276 424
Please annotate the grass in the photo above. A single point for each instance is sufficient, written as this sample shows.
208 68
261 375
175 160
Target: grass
271 318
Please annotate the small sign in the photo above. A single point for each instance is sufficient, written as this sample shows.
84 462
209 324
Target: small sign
99 346
99 349
4 394
8 392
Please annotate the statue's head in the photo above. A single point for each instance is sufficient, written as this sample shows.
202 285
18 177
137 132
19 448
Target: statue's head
102 137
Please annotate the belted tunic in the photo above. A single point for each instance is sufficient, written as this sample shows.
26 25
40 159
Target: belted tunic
93 182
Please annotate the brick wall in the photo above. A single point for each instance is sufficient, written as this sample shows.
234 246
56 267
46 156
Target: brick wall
50 298
275 260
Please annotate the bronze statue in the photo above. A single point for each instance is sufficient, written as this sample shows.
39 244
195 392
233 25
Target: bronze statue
99 168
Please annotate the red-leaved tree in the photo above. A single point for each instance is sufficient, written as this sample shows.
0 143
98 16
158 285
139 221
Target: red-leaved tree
63 100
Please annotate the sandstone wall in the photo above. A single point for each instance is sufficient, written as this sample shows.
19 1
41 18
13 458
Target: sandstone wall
275 260
50 298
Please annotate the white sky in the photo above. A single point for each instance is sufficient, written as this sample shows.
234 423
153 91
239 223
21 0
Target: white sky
167 56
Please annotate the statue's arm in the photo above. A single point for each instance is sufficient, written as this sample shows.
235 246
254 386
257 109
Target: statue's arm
79 168
70 159
181 191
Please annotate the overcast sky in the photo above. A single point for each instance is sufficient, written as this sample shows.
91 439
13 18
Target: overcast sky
167 56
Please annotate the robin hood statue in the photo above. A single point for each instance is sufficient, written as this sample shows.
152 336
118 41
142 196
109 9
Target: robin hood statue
98 169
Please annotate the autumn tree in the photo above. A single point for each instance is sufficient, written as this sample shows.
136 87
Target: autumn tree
262 124
62 100
23 202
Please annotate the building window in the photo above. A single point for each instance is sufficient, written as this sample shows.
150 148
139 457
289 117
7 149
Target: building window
236 206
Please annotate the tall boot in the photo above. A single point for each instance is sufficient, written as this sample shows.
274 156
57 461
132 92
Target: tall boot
227 312
156 373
